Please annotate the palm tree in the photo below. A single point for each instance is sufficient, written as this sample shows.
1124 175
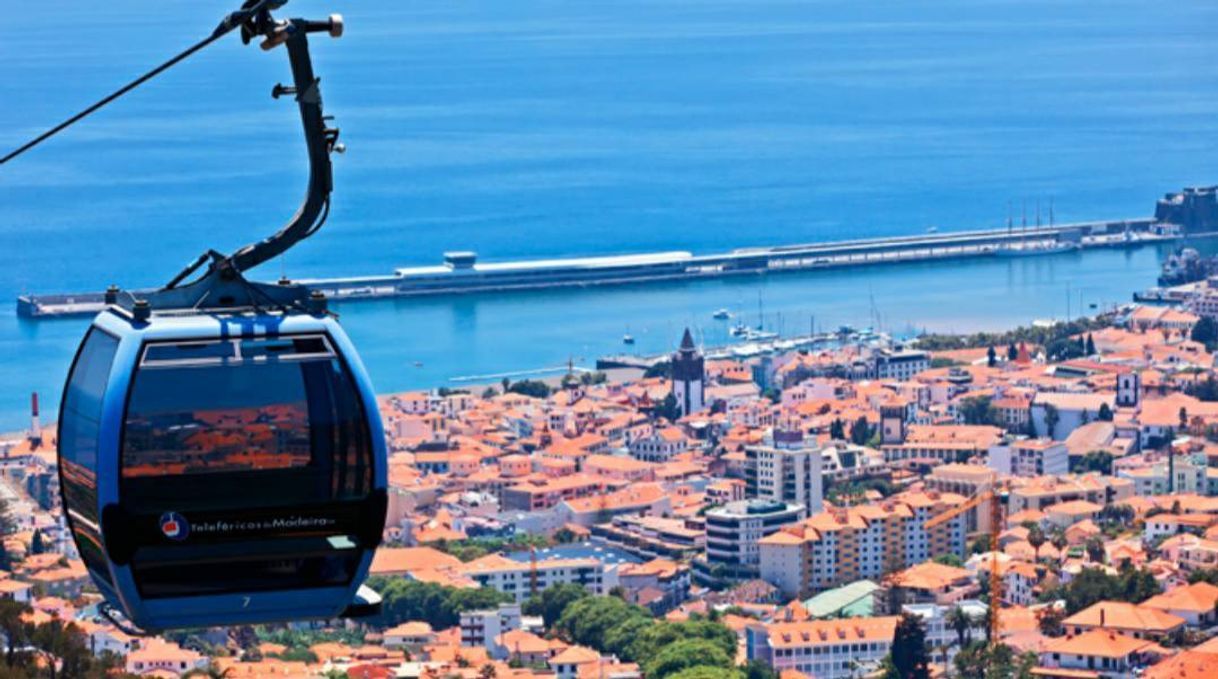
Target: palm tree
1058 539
959 620
1036 538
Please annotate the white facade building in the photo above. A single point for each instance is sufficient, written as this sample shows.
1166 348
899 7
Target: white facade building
786 469
1029 458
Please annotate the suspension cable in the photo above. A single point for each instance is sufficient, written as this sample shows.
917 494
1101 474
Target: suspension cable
230 22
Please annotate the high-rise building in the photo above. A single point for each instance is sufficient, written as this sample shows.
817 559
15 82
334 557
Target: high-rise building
689 376
732 534
786 468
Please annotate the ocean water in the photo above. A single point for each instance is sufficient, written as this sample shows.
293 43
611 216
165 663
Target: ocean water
546 128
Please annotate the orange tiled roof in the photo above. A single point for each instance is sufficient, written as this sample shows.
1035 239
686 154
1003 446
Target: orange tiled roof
1120 615
1199 597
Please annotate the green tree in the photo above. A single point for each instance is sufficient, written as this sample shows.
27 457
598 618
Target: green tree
683 655
708 672
14 629
1063 349
63 648
661 635
1209 575
1094 461
1012 352
565 535
620 639
860 432
1093 585
757 669
1049 619
837 430
910 659
587 620
555 599
1105 413
1205 332
1091 345
991 356
1036 538
534 388
978 410
961 623
949 559
437 605
1052 418
979 545
1058 539
1094 546
1205 390
669 409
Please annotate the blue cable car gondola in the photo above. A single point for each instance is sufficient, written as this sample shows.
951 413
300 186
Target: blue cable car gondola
221 454
222 468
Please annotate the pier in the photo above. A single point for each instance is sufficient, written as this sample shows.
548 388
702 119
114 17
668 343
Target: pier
462 273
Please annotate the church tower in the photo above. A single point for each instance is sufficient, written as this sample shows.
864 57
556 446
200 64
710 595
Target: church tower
689 376
1129 388
892 423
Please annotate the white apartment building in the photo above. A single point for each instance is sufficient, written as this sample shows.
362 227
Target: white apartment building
661 446
522 578
1190 471
900 365
478 628
786 469
826 649
1029 458
732 534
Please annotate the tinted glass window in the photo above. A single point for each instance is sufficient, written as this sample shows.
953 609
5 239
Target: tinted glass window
80 423
243 423
195 578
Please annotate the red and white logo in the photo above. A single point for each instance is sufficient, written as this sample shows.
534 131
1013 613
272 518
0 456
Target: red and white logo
174 526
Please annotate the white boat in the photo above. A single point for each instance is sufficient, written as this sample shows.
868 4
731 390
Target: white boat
747 350
721 315
1029 250
760 335
627 339
739 330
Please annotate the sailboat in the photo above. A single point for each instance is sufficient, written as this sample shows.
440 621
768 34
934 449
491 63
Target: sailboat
1036 247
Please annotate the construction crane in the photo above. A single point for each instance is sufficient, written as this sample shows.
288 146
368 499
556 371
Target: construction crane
533 571
988 495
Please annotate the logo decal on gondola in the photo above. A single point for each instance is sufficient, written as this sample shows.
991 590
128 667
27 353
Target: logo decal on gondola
174 526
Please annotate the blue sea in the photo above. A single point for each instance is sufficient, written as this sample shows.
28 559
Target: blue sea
545 128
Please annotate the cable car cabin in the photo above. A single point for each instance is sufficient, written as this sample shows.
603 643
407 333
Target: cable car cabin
222 469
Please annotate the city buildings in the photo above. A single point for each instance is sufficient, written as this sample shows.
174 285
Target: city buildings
1029 458
813 535
830 649
786 468
733 534
840 546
